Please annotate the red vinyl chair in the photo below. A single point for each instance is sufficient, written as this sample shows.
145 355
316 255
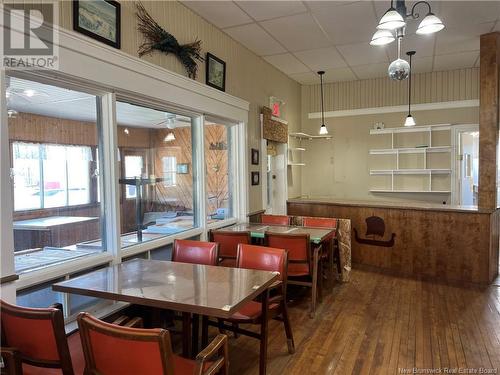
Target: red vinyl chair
332 250
228 245
196 252
35 340
112 350
303 264
275 219
267 259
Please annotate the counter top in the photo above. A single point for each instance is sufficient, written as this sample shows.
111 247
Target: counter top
381 204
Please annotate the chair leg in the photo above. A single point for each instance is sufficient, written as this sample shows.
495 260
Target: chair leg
204 331
235 332
220 325
288 328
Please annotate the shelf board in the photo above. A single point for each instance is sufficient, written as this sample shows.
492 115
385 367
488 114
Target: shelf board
296 149
408 171
301 135
410 191
297 164
409 150
411 129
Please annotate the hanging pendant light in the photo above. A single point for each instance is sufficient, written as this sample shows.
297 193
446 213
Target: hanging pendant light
381 38
322 130
399 68
410 121
391 20
430 24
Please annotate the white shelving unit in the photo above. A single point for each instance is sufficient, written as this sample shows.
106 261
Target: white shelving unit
416 160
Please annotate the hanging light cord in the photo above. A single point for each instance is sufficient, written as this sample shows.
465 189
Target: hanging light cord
322 109
409 91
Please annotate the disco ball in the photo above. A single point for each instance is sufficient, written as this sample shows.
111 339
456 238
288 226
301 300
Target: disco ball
399 69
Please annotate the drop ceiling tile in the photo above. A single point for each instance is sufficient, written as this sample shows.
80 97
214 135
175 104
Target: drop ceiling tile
326 6
371 70
461 39
455 61
460 13
422 64
363 54
265 10
297 33
256 39
220 13
349 23
338 75
422 44
308 78
321 59
287 63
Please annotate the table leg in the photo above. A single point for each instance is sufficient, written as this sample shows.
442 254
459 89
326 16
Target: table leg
195 333
186 334
263 333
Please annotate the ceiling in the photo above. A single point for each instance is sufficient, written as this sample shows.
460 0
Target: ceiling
302 37
53 101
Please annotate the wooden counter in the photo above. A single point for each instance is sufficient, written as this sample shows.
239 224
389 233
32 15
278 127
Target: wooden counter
443 242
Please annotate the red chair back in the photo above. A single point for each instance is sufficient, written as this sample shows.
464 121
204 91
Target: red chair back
298 247
275 219
319 222
228 245
110 349
263 258
196 252
38 334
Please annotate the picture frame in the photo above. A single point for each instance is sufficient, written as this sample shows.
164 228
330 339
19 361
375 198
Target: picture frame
215 72
255 178
183 168
255 156
98 19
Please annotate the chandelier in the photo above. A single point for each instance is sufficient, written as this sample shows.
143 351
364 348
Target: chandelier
392 26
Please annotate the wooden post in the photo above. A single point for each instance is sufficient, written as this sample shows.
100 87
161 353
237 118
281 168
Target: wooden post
488 120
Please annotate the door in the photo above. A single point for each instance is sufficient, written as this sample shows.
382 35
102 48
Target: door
276 181
468 165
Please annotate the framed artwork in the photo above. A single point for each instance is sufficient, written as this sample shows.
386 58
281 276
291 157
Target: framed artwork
98 19
216 72
183 168
255 178
255 156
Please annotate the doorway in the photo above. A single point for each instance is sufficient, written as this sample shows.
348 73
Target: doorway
275 181
467 149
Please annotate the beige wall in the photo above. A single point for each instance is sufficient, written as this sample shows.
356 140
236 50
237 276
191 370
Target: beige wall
248 76
344 160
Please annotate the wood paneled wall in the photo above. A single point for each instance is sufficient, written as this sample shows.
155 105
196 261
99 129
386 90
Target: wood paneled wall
446 245
461 84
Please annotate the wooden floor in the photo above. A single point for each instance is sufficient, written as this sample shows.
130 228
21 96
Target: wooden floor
382 324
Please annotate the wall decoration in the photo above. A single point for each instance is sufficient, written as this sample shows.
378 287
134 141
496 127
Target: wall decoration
272 129
255 178
255 156
183 168
158 39
98 19
216 72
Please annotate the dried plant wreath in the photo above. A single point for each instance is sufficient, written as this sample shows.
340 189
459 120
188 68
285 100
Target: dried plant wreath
160 40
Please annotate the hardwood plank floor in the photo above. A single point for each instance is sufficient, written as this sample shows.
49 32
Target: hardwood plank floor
380 324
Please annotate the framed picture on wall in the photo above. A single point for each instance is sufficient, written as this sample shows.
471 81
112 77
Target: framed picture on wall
255 178
255 156
216 72
98 19
183 168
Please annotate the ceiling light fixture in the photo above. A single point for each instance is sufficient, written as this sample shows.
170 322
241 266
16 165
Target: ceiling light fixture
169 137
322 130
29 92
399 68
410 121
392 26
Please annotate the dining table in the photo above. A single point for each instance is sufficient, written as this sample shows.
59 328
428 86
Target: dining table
258 231
192 289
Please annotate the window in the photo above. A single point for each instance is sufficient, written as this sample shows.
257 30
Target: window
169 170
53 136
47 176
219 171
157 170
133 169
